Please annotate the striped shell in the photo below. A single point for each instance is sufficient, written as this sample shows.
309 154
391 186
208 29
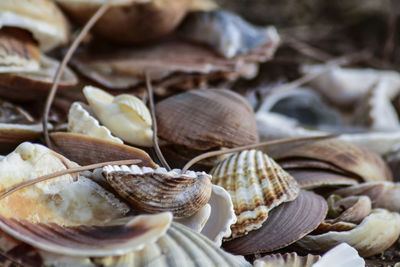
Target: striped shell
256 184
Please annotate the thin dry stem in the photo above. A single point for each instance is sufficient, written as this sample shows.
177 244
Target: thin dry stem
50 98
67 171
240 148
153 116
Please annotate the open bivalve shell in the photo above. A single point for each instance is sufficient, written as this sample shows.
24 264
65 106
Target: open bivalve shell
41 17
377 232
156 190
256 184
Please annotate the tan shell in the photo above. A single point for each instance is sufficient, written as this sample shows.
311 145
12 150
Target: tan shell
89 150
81 121
287 260
366 165
352 209
377 232
204 119
156 190
311 178
256 184
41 17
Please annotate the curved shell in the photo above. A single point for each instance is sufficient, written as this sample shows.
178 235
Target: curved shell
156 190
287 260
205 119
198 220
125 115
352 209
311 178
81 121
342 255
256 184
373 235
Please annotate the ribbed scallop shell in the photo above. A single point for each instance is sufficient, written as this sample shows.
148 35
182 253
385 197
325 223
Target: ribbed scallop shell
81 121
156 190
287 260
256 184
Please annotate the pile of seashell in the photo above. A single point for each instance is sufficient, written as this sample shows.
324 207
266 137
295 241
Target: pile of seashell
312 199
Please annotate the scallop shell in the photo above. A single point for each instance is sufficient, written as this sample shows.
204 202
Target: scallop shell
377 232
115 238
206 119
256 185
311 178
286 224
227 33
287 260
342 255
356 160
156 190
89 150
125 115
81 121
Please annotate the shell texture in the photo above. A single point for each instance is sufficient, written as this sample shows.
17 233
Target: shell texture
342 255
352 209
287 260
80 120
311 178
198 220
156 190
256 184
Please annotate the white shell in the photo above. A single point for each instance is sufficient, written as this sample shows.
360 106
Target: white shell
197 221
81 121
342 255
126 116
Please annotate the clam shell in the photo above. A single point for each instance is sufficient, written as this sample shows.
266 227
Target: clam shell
207 119
310 179
156 190
115 238
351 209
125 115
286 224
377 232
11 135
89 150
256 184
366 165
287 260
81 121
342 255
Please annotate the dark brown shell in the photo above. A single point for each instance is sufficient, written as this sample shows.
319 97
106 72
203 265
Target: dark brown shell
205 119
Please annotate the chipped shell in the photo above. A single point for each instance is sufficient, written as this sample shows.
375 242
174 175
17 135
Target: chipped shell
126 116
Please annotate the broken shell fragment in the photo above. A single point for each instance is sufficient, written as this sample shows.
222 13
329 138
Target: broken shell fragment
256 184
156 190
352 209
377 232
342 255
125 115
286 224
80 120
287 260
197 221
114 238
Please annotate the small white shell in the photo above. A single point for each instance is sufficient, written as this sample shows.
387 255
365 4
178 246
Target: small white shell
81 121
126 116
342 255
197 221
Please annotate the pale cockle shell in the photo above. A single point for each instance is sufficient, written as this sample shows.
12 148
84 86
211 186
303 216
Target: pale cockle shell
287 260
63 200
256 184
377 232
126 116
198 220
81 121
156 190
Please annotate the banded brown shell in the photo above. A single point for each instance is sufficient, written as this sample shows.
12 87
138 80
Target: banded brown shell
156 190
256 184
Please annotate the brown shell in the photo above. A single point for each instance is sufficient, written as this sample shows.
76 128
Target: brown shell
311 178
87 150
204 119
286 224
156 190
326 227
366 165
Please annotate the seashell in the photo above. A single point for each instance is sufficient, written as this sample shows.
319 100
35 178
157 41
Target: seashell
180 246
377 232
125 115
227 33
365 165
41 17
155 190
311 178
64 200
15 86
89 150
115 238
342 255
207 119
203 5
197 221
131 21
286 224
326 227
384 195
222 216
256 184
352 209
287 260
80 120
19 51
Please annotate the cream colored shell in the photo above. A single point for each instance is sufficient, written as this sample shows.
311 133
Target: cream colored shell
81 121
126 116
